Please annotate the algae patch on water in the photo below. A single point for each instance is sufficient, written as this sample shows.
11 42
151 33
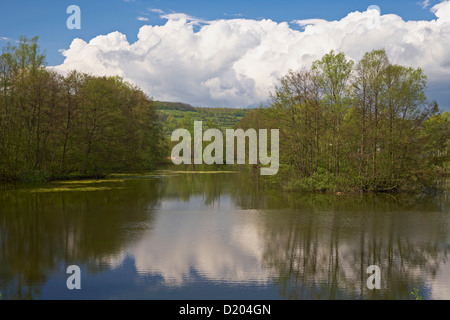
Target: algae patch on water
142 176
202 172
78 189
79 186
93 181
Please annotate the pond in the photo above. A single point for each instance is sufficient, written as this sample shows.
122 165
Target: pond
218 235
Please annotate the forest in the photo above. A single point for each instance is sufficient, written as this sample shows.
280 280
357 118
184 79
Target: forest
344 126
356 127
173 116
56 127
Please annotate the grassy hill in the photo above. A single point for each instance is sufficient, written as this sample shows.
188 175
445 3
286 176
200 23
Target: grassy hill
176 115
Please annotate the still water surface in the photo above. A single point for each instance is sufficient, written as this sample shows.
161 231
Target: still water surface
217 236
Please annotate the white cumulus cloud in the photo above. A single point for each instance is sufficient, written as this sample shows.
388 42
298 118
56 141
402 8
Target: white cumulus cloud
235 62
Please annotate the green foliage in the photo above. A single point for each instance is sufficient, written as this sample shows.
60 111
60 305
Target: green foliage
437 134
178 117
415 294
164 105
356 127
34 176
322 182
52 126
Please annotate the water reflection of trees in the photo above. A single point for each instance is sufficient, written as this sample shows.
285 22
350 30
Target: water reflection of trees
41 232
321 245
210 185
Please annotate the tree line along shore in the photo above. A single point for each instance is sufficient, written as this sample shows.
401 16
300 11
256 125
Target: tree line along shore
344 126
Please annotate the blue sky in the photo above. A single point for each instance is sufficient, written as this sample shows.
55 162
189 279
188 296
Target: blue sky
234 78
47 18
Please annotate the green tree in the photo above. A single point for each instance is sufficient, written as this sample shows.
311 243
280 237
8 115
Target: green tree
333 73
54 125
355 127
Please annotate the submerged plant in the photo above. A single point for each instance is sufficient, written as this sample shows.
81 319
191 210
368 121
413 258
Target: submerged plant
416 295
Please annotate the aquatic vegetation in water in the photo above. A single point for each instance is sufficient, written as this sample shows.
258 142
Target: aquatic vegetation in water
415 294
92 181
205 172
64 189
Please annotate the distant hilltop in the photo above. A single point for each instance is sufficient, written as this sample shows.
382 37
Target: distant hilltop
165 105
176 115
